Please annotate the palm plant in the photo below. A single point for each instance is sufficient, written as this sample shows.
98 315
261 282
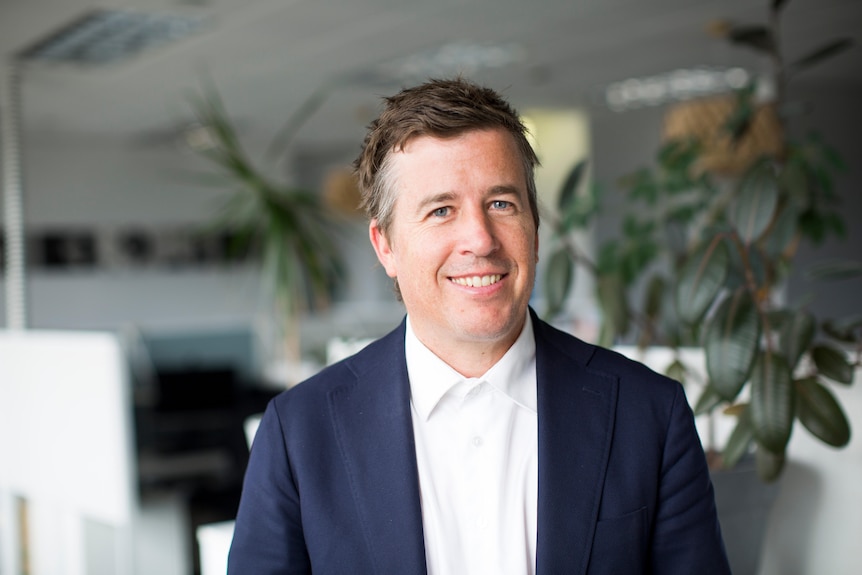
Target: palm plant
288 228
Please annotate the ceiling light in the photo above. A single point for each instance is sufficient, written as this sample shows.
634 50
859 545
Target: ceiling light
682 84
451 59
104 36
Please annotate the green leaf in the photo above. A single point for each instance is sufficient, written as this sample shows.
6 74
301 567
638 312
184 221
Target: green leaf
832 363
836 270
731 344
738 122
569 190
821 414
707 401
769 464
793 179
700 281
579 212
678 155
777 5
755 206
676 371
641 185
739 268
288 228
772 400
795 335
822 53
296 120
739 441
614 305
757 37
782 234
843 329
558 280
654 296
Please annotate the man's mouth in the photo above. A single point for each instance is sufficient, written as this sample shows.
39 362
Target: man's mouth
477 281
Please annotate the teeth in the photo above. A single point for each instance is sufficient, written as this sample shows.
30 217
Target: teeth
477 281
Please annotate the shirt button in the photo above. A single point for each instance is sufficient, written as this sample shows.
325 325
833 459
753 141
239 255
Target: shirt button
478 441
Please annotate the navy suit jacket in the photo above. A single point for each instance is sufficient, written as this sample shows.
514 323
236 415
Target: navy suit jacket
332 485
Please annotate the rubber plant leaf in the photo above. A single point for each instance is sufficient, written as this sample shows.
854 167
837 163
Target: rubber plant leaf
558 280
772 401
654 296
756 204
731 343
700 280
739 441
832 363
843 329
574 209
836 270
614 306
820 413
708 400
795 336
677 371
822 53
569 189
769 464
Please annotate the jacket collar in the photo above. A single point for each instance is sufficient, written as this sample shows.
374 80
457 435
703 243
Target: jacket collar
576 418
375 431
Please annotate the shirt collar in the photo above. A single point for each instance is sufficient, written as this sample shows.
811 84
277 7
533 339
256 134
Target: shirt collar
431 378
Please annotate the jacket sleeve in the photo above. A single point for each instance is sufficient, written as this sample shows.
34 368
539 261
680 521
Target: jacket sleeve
268 537
686 537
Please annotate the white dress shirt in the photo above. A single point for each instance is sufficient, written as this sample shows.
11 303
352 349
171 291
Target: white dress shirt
477 452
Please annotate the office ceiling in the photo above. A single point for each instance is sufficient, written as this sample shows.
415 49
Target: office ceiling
267 56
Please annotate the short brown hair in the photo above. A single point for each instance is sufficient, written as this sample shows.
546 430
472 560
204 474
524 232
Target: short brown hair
440 108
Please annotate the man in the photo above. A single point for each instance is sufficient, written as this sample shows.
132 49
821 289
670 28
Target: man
474 438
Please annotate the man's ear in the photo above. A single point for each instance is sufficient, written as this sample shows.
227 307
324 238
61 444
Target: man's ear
382 248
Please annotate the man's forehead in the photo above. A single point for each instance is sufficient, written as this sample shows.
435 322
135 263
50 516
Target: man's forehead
410 140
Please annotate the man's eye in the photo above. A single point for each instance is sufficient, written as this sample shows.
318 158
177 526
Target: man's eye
440 212
500 204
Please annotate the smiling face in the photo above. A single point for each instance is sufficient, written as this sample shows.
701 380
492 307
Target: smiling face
462 244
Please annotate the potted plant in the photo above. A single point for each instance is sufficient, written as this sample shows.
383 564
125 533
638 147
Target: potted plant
290 230
709 245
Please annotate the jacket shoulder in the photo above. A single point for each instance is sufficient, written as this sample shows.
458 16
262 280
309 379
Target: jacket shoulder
602 361
369 360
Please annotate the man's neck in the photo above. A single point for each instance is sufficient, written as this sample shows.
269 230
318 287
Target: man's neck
468 358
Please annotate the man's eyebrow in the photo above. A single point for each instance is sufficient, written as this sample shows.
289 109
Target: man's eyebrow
435 199
504 189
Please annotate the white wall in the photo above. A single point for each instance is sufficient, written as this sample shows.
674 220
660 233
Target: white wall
106 185
816 524
66 445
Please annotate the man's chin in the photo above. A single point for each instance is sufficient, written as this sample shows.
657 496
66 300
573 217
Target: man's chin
486 328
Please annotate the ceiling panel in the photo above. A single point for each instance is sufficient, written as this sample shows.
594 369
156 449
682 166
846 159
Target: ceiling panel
266 56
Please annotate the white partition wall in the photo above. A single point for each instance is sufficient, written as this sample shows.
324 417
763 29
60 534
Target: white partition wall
66 447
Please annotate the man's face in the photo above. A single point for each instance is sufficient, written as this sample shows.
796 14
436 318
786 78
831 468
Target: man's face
462 243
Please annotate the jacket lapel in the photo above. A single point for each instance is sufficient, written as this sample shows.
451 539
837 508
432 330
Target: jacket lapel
375 432
576 419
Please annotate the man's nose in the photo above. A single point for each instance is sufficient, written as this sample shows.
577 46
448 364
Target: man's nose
477 233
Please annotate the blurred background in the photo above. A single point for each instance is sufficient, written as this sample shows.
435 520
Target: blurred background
108 193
